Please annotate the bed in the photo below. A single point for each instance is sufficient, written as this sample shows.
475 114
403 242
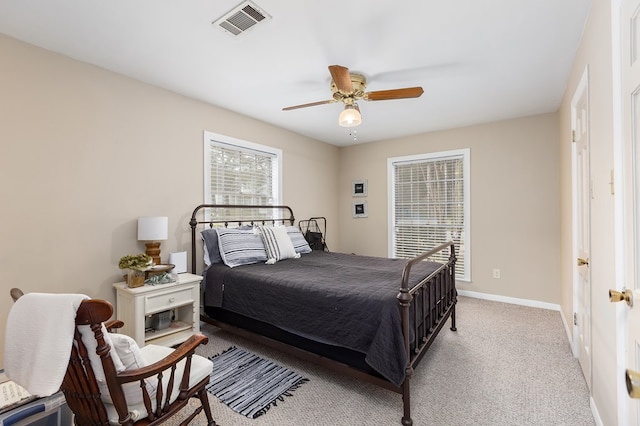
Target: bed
372 318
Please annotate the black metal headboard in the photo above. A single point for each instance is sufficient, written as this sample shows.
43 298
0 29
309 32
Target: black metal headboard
280 214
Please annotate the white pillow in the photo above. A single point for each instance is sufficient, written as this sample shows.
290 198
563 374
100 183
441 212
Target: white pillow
89 341
131 357
277 244
128 351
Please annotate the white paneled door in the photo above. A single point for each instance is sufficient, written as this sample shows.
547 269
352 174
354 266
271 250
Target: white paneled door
628 234
582 223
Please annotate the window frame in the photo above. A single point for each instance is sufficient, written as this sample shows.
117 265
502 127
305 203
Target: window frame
240 145
465 154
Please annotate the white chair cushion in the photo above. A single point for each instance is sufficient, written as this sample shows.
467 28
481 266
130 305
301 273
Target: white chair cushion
201 368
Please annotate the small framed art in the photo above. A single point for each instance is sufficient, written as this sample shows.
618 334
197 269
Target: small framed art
359 188
359 209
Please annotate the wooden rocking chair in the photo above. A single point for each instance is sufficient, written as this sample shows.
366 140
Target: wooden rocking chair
162 387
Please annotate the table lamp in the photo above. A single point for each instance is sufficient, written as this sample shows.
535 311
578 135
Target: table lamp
153 229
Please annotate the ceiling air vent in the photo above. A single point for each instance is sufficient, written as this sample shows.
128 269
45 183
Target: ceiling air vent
242 18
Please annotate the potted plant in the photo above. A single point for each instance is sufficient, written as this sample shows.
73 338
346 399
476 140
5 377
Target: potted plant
136 265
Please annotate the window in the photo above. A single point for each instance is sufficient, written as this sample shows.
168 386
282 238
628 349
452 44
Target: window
240 172
429 205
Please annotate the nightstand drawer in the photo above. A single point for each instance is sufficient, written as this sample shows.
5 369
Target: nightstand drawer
168 300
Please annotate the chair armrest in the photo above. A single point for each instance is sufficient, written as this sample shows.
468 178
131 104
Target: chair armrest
187 348
16 293
114 324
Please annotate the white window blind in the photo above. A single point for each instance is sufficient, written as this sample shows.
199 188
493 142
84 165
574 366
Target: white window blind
430 205
241 173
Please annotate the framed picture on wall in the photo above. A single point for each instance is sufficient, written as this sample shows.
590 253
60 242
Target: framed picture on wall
359 188
359 209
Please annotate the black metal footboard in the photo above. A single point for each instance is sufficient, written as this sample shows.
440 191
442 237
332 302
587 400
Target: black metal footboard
425 309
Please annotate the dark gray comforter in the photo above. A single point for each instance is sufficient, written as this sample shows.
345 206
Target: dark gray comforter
340 299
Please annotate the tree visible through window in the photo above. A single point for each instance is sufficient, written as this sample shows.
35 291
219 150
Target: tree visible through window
240 173
430 205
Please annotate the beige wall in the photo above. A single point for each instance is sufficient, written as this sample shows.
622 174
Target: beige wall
514 202
84 152
594 52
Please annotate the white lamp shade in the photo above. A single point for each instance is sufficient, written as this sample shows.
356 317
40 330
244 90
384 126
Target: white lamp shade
153 228
350 117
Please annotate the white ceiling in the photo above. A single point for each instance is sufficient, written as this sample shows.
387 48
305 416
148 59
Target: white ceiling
478 61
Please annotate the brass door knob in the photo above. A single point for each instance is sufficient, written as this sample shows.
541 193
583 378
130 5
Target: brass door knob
633 383
617 296
582 261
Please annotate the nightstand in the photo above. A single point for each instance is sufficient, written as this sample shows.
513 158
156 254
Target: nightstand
179 302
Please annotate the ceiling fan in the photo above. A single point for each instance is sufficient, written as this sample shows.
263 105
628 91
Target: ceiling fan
349 88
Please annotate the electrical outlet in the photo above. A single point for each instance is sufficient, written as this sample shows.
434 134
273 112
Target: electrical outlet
496 273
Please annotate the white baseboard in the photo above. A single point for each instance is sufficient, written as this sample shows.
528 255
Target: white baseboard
594 411
512 300
568 328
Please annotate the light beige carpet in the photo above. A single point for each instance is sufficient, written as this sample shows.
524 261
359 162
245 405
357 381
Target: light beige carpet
506 365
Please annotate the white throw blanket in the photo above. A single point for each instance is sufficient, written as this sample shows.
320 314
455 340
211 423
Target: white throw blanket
38 340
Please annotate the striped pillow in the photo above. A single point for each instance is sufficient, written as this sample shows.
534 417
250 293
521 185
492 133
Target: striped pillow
300 245
240 247
277 244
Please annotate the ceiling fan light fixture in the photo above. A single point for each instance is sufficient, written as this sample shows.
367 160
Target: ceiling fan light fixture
350 116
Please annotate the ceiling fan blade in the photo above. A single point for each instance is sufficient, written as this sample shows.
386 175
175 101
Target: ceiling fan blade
328 101
341 78
383 95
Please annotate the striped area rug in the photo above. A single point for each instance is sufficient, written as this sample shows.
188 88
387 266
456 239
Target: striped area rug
248 384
